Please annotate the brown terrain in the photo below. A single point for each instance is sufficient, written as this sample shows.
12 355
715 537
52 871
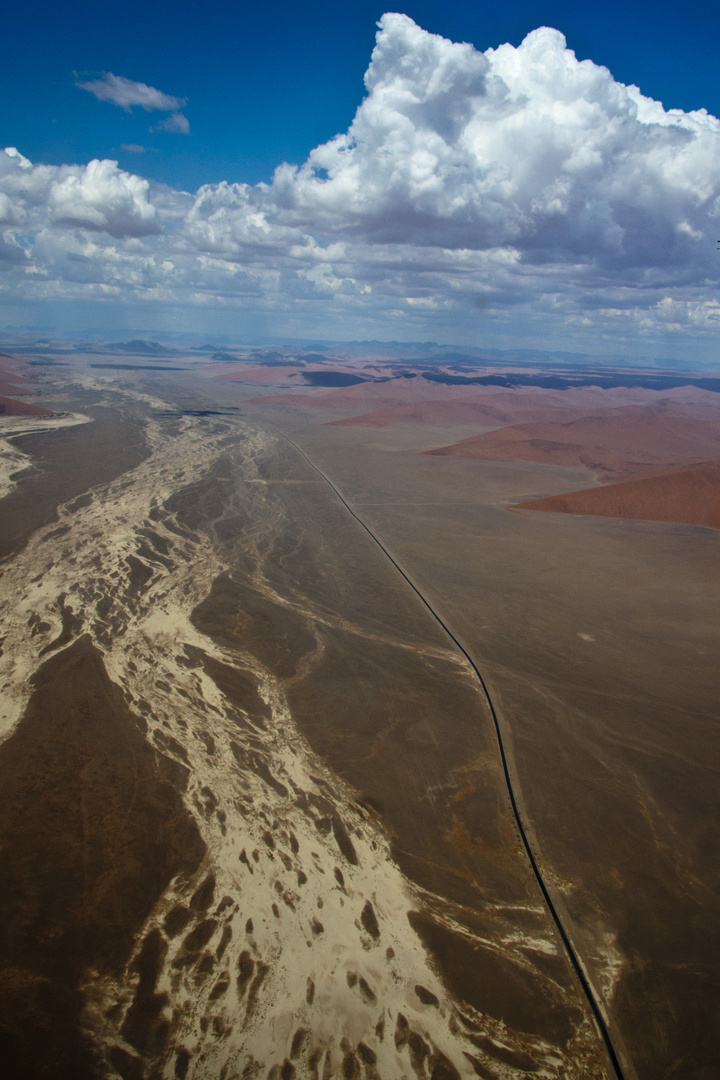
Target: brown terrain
191 655
74 896
255 821
597 639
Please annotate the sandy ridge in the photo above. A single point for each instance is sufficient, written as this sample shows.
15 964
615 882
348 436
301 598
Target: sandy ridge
287 968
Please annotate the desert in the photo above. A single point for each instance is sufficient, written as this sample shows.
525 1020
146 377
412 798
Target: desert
359 524
600 609
251 709
181 643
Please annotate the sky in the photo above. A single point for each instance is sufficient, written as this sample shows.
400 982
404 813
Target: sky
530 174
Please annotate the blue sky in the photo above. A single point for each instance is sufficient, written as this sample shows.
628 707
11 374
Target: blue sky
260 169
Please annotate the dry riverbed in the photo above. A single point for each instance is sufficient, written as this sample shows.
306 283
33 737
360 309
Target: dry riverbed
252 820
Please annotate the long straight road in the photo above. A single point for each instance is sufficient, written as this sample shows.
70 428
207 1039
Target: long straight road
572 953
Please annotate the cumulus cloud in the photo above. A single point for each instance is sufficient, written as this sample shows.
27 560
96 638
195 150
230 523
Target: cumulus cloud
515 184
126 93
522 147
103 198
98 197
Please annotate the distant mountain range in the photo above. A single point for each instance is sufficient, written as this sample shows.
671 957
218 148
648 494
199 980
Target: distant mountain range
136 347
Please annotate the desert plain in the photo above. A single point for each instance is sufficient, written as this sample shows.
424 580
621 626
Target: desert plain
358 717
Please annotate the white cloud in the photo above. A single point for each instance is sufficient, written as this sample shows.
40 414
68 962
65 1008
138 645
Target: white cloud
523 147
471 190
126 93
98 197
175 122
103 198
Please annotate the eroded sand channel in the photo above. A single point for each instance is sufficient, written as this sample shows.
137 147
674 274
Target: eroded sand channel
236 757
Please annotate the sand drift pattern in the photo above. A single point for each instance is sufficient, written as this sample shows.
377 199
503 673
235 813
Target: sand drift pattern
189 889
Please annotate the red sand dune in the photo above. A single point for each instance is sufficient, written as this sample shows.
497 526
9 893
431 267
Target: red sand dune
615 446
689 496
12 386
11 381
11 407
11 362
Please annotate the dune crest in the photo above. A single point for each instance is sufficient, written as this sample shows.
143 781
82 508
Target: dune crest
688 496
614 447
11 407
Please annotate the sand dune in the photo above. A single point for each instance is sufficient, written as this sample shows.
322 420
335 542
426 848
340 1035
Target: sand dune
690 496
11 385
11 380
10 362
613 446
408 401
11 407
504 409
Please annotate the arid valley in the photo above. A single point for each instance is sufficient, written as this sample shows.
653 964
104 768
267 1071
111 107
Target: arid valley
358 716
